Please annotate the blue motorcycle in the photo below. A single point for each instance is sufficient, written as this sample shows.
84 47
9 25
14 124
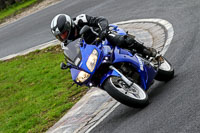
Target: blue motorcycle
123 74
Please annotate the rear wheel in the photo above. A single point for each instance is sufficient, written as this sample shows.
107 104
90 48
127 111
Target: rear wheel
133 96
165 71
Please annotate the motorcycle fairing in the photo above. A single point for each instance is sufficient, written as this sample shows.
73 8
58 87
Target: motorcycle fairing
120 55
86 51
117 55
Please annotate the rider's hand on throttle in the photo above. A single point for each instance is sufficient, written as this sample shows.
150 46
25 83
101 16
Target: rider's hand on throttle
103 34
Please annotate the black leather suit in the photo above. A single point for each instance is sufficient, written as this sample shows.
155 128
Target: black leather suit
100 24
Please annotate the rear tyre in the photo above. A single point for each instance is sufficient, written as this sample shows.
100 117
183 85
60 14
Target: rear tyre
165 71
133 96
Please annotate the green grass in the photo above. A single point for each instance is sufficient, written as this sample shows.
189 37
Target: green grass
35 92
16 8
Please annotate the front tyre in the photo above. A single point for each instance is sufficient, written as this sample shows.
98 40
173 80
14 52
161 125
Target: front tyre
133 96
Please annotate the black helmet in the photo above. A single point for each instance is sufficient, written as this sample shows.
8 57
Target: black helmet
61 26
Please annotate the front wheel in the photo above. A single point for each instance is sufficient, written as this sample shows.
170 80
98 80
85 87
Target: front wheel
133 96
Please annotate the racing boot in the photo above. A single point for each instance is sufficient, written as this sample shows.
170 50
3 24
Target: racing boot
132 43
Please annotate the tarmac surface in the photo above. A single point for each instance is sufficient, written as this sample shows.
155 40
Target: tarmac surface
175 105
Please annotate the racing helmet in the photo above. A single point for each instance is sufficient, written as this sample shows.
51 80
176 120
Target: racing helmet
61 26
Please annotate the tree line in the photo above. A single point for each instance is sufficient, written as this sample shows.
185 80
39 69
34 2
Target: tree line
6 3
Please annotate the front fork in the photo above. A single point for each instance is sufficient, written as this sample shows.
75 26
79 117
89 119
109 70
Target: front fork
126 80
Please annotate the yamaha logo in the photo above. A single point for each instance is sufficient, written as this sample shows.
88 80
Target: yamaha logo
140 62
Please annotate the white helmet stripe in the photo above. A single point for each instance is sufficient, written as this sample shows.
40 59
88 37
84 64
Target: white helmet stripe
68 19
54 21
54 25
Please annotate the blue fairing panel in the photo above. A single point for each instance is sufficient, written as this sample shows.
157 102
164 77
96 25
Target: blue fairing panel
74 73
121 56
137 63
110 73
151 74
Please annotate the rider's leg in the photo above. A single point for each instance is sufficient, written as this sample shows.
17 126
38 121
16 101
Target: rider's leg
139 47
129 42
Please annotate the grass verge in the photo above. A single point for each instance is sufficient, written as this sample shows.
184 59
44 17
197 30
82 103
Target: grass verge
35 92
16 8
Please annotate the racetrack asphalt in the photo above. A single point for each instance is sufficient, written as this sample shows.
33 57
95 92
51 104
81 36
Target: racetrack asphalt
175 105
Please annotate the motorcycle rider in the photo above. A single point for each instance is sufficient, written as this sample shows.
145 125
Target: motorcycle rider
66 29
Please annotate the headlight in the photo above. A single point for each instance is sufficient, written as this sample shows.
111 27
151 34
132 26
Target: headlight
92 60
82 76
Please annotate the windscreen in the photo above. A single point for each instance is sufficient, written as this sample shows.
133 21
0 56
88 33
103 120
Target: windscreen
72 52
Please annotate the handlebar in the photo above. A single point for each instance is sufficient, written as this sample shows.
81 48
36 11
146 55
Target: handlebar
114 26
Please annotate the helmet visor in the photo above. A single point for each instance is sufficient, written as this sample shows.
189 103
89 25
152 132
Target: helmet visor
63 36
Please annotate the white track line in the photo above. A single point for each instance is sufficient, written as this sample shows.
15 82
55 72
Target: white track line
39 47
102 118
